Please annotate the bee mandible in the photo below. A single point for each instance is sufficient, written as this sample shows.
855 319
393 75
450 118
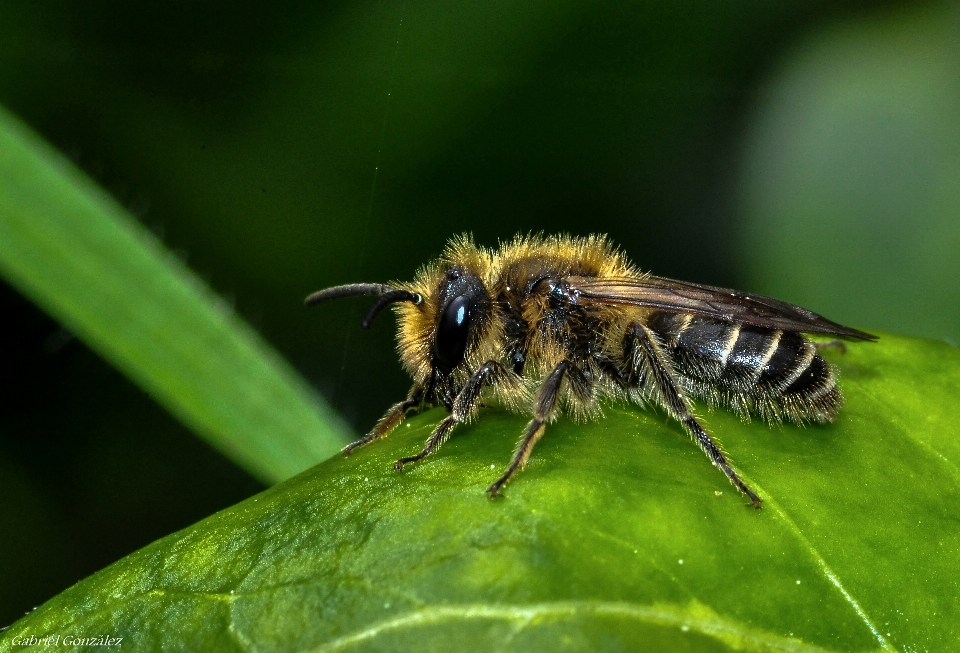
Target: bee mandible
546 325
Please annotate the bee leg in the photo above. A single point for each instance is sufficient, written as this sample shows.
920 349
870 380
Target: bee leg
390 420
659 373
832 344
545 405
463 408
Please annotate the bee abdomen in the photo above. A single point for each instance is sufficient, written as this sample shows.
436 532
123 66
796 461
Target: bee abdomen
775 374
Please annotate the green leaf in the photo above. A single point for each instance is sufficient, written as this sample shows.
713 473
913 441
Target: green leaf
68 246
619 536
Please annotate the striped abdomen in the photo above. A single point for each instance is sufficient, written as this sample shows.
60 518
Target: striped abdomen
775 374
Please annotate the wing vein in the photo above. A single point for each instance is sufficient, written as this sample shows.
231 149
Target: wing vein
722 304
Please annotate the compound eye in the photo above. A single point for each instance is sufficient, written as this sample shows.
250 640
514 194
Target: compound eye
450 341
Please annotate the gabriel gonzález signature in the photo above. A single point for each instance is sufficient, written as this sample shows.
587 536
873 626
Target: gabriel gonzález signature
66 640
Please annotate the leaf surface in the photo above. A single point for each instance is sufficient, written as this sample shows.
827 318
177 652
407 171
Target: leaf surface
69 247
618 536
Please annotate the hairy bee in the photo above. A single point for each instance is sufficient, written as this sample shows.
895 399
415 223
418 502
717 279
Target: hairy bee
560 323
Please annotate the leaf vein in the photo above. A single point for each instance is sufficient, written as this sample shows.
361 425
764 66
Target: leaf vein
525 614
822 564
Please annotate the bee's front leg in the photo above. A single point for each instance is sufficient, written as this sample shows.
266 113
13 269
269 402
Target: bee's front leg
464 405
390 420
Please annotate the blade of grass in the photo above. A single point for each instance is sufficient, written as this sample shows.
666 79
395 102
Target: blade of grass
66 244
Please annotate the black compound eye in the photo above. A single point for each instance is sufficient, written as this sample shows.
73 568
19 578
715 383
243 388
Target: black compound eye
450 341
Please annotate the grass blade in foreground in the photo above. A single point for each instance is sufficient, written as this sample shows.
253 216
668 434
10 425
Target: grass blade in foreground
74 251
619 536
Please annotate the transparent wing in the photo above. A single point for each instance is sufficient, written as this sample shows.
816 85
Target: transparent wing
719 303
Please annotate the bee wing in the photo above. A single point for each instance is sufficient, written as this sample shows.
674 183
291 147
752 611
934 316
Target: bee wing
719 303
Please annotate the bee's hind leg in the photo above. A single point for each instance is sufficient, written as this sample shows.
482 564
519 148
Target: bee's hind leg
659 373
390 420
463 408
832 344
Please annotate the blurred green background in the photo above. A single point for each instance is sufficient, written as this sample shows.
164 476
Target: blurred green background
808 150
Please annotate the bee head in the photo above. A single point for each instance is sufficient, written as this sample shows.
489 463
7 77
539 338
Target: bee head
462 301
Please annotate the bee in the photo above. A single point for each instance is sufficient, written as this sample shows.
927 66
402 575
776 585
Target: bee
551 325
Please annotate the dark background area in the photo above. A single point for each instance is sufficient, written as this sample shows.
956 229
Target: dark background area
283 147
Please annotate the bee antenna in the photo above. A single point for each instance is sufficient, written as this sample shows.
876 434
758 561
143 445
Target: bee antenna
349 290
391 297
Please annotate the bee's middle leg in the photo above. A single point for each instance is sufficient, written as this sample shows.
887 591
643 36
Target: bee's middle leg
464 406
544 408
